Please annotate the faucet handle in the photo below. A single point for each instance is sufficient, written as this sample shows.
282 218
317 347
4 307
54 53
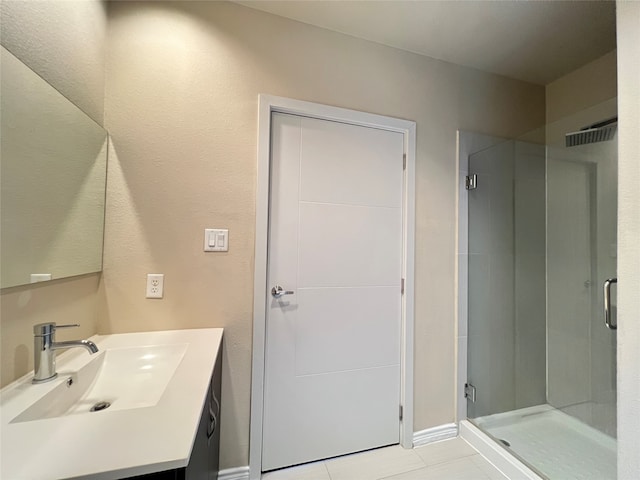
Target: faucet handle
42 329
56 327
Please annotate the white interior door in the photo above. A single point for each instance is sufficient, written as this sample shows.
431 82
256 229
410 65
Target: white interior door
332 358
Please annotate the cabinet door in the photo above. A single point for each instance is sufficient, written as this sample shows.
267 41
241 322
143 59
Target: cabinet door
198 468
214 430
203 464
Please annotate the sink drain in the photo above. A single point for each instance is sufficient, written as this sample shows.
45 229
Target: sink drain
100 406
504 442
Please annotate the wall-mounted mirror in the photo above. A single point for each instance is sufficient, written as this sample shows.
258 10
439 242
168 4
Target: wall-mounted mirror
53 161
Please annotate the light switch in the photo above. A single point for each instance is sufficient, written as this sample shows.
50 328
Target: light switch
216 240
211 238
220 240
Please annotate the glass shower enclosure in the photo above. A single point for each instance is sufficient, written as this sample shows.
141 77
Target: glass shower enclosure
541 249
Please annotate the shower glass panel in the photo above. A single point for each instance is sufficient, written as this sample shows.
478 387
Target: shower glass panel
506 278
541 244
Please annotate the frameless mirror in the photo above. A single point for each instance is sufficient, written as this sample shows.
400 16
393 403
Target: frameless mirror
53 161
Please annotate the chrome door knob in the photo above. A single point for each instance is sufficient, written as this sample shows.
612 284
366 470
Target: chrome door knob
278 291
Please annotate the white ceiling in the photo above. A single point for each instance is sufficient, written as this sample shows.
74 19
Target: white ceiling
536 41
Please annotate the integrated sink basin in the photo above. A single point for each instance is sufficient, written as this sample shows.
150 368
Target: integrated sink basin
155 385
117 379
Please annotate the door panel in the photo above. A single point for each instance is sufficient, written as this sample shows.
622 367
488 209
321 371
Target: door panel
332 159
303 430
348 238
332 359
321 313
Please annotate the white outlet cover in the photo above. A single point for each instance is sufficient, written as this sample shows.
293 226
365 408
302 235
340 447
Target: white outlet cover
155 285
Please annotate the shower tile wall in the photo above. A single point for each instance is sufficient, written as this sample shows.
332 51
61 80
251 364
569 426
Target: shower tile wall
506 315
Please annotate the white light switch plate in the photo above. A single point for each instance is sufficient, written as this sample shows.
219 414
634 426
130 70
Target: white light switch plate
216 240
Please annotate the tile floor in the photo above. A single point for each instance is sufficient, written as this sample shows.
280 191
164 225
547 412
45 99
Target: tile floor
451 459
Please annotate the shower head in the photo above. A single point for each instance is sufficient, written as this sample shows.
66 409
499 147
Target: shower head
598 132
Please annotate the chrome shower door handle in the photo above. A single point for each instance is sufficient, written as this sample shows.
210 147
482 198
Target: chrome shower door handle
607 303
278 291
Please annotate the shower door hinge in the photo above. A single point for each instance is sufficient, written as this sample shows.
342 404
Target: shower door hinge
402 286
401 413
471 182
404 161
470 392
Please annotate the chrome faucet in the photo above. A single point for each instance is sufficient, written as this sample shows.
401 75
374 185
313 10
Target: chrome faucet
44 348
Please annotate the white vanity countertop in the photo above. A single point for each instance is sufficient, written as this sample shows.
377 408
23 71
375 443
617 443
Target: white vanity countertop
109 445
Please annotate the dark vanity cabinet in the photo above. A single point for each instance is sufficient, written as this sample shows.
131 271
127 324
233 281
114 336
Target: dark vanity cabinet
203 463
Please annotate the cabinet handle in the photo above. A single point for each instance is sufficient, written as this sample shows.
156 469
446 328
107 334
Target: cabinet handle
213 416
211 429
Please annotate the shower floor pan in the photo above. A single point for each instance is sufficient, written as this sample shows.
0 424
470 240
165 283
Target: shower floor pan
554 443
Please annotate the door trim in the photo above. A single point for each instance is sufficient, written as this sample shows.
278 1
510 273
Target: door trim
267 105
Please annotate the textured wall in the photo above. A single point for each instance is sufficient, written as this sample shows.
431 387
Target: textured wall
181 105
628 247
63 42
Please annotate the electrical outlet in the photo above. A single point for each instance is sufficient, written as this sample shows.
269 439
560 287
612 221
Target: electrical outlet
155 285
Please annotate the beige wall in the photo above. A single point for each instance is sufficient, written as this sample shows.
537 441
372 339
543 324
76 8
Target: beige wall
181 105
72 300
585 87
628 15
62 41
583 97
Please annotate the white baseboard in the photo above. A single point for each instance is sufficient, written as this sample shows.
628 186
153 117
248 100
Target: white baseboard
423 437
435 434
237 473
502 460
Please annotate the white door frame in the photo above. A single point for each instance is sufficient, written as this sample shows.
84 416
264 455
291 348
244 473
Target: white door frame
267 105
